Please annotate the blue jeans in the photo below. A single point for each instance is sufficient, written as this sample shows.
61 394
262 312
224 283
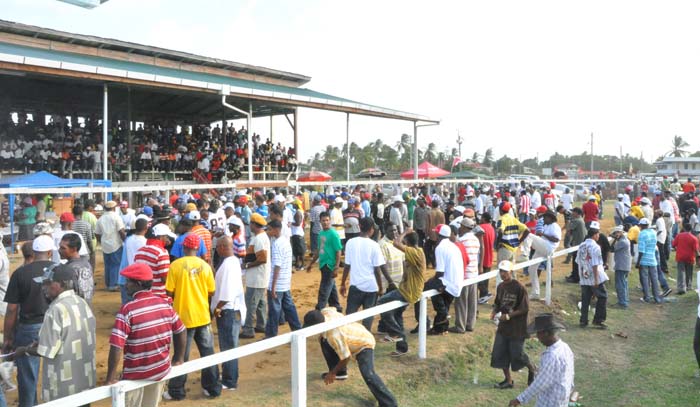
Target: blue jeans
27 366
357 298
660 270
275 306
314 241
112 262
621 287
204 339
229 326
647 273
327 292
393 320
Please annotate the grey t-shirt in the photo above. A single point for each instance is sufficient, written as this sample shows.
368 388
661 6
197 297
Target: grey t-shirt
622 256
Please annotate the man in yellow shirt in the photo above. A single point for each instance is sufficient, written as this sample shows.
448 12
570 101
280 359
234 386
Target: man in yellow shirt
190 284
341 344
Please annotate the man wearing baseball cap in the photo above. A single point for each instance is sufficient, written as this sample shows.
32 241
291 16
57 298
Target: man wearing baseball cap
510 234
646 262
257 264
127 214
235 230
510 309
337 220
26 307
184 229
111 233
66 338
190 283
156 257
143 330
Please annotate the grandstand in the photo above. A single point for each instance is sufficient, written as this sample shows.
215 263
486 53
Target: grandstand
59 89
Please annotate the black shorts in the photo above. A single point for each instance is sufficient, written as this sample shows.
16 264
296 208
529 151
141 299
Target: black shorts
508 353
298 245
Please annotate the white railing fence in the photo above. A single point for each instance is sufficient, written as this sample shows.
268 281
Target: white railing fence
297 339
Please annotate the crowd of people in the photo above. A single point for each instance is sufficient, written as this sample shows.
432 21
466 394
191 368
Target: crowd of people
188 261
167 146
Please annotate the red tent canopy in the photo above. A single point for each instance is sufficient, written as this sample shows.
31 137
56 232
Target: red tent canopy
425 170
314 176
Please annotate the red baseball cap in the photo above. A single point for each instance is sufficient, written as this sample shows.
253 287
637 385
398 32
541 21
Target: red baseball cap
505 206
138 271
191 241
67 217
541 209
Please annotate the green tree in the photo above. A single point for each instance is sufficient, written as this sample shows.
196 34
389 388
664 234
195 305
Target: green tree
431 153
488 158
678 145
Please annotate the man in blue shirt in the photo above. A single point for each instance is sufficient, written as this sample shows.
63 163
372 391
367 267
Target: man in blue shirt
177 250
646 262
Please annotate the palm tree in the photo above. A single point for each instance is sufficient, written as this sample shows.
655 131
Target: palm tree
488 158
475 157
678 145
431 153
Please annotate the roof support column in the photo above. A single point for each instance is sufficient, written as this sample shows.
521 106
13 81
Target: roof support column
129 134
249 122
296 137
347 144
415 151
105 129
271 129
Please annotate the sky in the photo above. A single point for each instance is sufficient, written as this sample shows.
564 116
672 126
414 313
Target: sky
526 78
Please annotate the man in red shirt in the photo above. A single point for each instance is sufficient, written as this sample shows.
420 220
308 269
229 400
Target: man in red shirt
687 252
143 330
155 256
689 186
487 237
590 211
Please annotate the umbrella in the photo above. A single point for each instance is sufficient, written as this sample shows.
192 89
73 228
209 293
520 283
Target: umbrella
425 170
314 176
371 173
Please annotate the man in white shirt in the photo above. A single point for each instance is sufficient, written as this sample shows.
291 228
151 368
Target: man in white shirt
619 210
279 292
363 262
127 214
257 277
132 244
544 245
110 233
395 216
535 198
449 274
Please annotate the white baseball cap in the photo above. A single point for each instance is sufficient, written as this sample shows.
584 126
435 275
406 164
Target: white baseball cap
338 200
443 230
194 215
643 221
43 243
506 265
234 220
279 198
591 198
163 230
594 225
230 205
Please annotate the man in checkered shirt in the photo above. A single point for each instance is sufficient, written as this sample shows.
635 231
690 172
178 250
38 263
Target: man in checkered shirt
555 378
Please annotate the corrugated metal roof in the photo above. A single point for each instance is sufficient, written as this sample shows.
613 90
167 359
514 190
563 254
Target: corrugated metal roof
60 60
130 47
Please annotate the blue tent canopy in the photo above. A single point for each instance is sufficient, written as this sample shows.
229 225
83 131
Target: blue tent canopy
42 179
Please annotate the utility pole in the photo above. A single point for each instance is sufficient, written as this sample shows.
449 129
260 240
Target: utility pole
591 154
460 140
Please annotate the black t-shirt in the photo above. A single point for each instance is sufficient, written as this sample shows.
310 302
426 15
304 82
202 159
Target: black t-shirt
25 292
512 296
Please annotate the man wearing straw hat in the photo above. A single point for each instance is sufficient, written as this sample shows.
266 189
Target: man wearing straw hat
555 378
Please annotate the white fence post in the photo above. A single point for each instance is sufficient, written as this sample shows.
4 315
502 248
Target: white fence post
298 370
422 327
118 396
548 286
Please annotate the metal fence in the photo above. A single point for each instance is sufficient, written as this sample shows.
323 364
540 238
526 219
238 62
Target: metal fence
297 339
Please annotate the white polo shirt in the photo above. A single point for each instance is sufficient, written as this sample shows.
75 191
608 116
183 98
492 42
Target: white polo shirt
363 254
448 260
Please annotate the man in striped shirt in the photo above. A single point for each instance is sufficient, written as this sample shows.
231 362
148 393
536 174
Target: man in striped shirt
155 256
143 330
523 206
279 292
202 232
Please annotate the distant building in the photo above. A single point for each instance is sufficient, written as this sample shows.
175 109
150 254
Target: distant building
678 166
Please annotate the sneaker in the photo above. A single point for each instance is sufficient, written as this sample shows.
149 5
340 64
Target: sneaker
434 332
397 353
225 387
244 335
644 300
485 298
667 292
454 330
206 393
167 396
259 330
337 377
381 332
415 330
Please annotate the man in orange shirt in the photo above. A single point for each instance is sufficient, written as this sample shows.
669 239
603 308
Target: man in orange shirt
202 232
689 186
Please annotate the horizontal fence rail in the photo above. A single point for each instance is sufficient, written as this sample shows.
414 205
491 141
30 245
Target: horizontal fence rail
297 339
